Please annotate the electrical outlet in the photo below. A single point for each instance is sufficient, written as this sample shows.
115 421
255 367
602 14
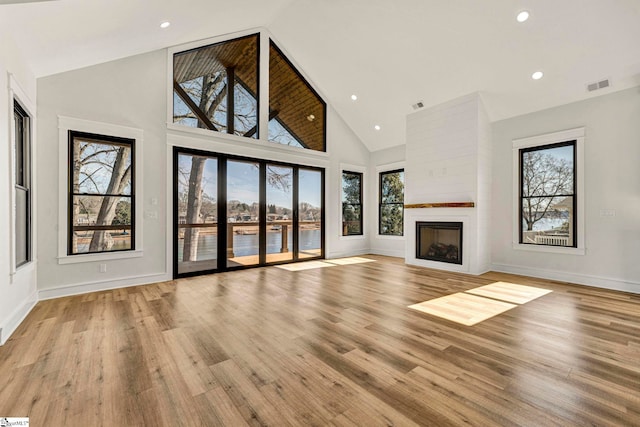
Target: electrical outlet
103 268
608 212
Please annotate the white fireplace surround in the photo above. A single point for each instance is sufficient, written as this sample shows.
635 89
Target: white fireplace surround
448 154
469 238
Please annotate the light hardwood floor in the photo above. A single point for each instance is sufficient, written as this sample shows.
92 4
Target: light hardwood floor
329 346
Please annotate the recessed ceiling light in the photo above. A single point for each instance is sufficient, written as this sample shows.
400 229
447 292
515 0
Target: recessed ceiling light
377 127
165 24
354 97
537 75
522 16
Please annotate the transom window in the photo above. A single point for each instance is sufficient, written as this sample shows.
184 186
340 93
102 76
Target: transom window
548 195
391 207
351 203
216 87
101 193
296 111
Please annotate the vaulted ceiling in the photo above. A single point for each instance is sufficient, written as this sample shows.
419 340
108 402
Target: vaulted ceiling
391 54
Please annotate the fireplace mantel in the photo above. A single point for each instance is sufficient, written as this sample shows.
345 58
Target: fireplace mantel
441 205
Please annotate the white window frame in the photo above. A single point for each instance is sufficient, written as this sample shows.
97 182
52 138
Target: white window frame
363 170
379 170
577 134
66 124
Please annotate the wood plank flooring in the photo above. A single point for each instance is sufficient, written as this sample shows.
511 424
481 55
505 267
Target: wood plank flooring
330 346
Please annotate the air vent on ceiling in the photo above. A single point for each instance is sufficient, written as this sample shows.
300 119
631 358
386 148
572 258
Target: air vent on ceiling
598 85
418 105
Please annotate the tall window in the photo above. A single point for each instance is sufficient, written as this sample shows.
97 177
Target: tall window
215 87
548 195
101 193
22 169
351 203
391 208
296 112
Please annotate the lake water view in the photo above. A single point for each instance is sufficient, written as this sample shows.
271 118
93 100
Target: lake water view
247 244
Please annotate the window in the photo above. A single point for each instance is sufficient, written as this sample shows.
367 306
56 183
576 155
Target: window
548 189
296 112
391 208
548 195
215 87
351 203
101 193
22 167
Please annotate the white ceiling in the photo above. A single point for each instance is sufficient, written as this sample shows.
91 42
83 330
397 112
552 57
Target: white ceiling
390 53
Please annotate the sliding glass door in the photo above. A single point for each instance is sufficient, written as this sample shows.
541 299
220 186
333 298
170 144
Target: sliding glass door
196 207
243 213
233 212
310 213
279 233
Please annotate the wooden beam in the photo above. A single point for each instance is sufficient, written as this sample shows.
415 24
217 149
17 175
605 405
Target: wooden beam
192 106
441 205
272 115
231 112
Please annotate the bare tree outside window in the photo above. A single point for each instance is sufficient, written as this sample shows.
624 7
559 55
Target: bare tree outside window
215 87
101 194
548 195
197 211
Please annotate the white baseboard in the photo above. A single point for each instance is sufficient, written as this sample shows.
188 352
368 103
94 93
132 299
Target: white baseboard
564 276
19 314
347 254
103 285
388 252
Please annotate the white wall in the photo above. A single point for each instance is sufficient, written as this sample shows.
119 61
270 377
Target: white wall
346 152
383 160
132 92
127 92
484 190
612 182
17 289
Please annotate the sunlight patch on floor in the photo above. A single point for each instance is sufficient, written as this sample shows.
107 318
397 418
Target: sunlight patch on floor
347 261
510 292
481 303
308 265
463 308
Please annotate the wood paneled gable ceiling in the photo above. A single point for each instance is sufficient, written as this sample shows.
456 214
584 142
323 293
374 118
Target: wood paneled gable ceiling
240 54
292 101
297 105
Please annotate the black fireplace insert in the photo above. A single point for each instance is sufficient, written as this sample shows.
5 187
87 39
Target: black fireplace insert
439 241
